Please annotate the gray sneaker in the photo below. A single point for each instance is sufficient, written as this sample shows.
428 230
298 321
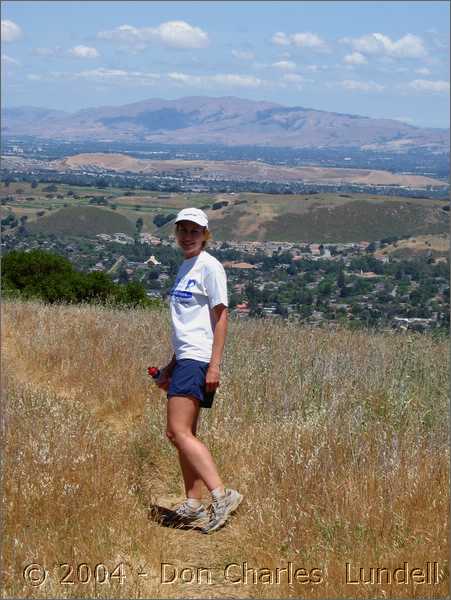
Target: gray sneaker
186 515
221 509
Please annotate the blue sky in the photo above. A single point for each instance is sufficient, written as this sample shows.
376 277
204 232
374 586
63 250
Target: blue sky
379 59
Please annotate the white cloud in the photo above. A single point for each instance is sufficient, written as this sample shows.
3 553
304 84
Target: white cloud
356 58
316 68
408 120
423 71
46 52
174 34
426 85
308 40
185 78
361 86
104 75
8 60
243 55
293 78
301 40
83 52
100 75
11 32
409 46
280 39
237 80
260 65
293 81
285 65
179 34
221 80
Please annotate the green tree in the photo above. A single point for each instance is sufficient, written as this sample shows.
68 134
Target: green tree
256 312
123 276
43 274
234 299
29 269
324 288
132 294
305 310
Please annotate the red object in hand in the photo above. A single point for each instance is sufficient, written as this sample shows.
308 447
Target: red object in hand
154 372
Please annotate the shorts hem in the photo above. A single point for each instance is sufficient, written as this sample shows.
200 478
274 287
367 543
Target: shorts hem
202 403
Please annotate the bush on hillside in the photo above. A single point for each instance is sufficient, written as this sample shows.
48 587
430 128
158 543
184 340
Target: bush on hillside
50 277
160 219
50 188
218 205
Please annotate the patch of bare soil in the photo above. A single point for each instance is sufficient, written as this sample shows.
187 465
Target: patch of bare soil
244 170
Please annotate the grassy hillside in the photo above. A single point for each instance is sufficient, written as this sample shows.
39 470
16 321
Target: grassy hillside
419 246
324 218
83 221
338 441
37 204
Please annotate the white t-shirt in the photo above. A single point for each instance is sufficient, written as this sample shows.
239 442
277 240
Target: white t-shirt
200 285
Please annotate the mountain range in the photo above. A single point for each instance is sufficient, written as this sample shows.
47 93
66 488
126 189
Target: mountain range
227 121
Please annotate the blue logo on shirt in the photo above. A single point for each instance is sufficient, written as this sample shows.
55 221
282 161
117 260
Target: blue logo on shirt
190 283
182 294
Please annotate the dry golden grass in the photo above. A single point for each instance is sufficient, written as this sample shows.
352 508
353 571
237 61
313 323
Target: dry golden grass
253 170
438 242
338 441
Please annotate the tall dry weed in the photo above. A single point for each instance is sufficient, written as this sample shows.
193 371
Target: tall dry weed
337 439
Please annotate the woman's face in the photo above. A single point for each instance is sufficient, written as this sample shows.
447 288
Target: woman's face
189 236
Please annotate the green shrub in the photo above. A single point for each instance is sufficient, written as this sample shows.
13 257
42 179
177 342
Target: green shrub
51 277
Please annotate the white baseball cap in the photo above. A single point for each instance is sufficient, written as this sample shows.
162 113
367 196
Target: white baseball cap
193 214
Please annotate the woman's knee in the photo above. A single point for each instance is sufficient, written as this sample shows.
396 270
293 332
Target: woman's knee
170 436
178 437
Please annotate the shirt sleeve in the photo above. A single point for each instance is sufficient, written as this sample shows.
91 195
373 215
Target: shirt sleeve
215 282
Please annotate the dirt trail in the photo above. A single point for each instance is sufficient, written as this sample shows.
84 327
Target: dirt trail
184 548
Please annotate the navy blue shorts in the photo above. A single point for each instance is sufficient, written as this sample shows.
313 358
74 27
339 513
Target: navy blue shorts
188 379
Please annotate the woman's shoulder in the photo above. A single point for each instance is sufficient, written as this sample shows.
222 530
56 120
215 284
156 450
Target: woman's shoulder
211 261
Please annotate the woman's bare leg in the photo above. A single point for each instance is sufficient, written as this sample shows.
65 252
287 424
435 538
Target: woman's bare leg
193 483
182 414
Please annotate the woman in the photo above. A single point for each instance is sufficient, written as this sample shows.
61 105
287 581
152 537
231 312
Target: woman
198 303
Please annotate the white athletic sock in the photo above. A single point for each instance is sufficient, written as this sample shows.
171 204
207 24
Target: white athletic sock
193 502
218 493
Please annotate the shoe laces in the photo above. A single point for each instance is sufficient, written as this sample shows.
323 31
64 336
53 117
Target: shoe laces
218 503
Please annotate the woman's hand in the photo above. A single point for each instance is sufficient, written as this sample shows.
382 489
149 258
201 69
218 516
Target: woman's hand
212 379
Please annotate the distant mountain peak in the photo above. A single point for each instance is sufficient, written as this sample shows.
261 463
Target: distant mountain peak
225 120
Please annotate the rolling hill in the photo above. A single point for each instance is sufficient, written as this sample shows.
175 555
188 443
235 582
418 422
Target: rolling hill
326 218
315 217
82 221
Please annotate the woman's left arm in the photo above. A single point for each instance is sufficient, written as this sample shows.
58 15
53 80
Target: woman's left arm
212 379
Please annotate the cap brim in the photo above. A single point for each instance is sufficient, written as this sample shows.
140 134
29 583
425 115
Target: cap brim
191 221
